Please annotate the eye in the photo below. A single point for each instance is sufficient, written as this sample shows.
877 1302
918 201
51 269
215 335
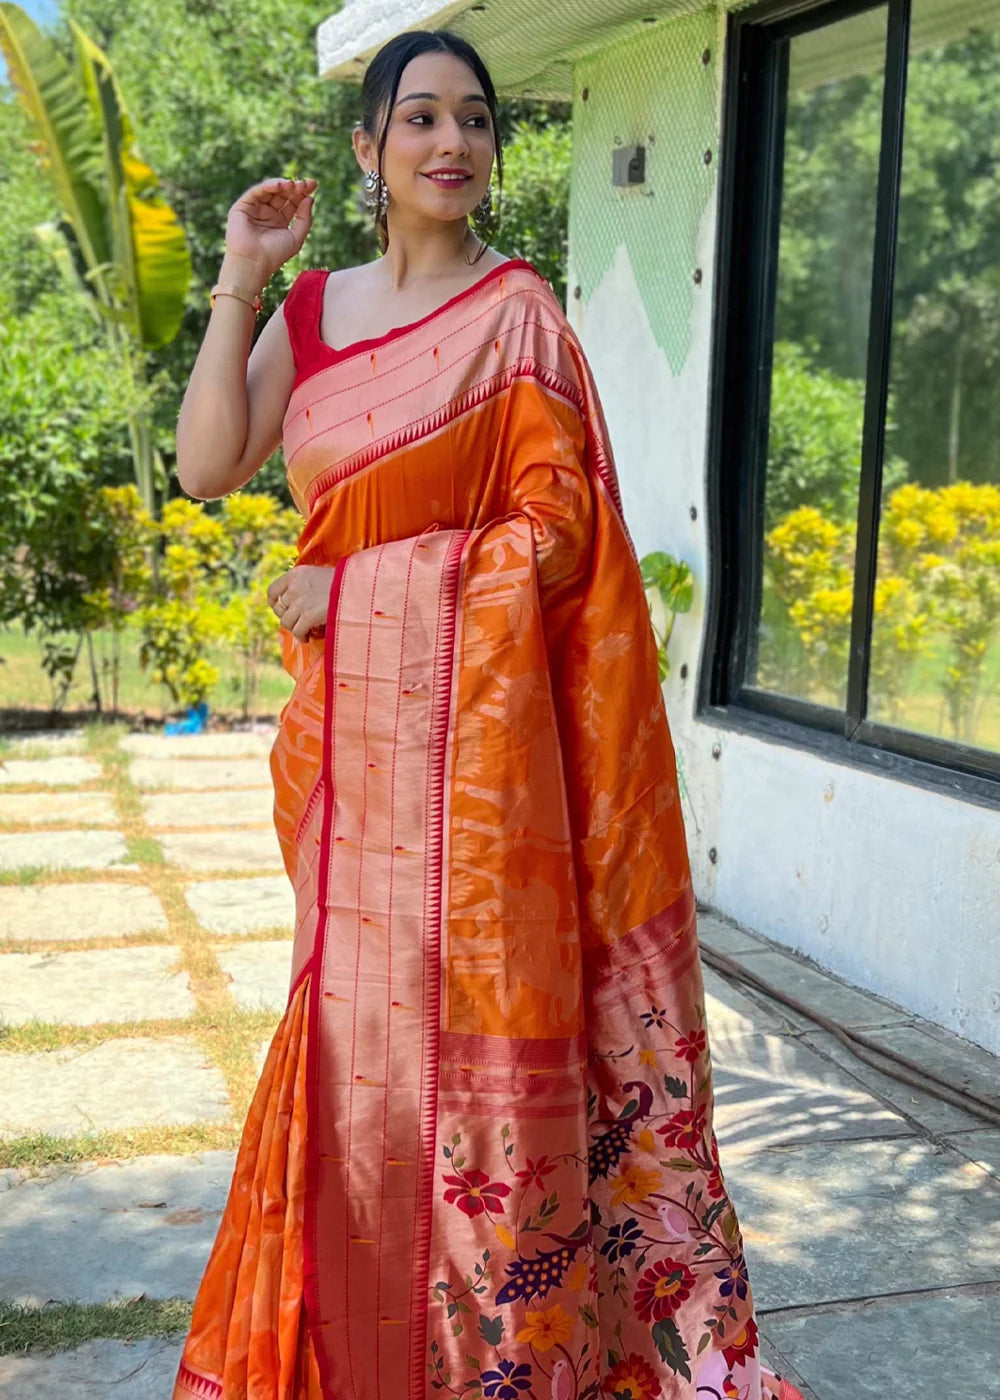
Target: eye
479 120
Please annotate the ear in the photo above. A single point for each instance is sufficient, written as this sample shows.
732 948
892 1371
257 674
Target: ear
364 148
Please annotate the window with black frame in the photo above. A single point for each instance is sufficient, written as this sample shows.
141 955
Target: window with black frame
858 439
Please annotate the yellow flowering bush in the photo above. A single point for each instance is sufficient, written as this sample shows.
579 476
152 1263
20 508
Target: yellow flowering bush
213 578
938 586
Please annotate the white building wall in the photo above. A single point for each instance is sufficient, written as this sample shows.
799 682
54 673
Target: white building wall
894 887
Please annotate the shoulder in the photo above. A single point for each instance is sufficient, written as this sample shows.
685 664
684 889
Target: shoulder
532 289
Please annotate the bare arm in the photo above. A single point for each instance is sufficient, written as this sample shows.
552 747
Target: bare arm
230 419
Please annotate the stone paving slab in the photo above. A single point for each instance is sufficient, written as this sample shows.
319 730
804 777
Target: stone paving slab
117 1084
934 1114
65 770
957 1061
248 849
64 912
82 989
724 937
822 1224
37 808
56 741
730 1013
842 1003
771 1089
227 808
142 1370
243 906
224 744
63 850
121 1229
923 1348
199 774
981 1147
260 973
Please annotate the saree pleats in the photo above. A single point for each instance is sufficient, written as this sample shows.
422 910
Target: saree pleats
248 1335
481 1162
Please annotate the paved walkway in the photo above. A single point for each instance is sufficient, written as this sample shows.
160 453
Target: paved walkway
144 948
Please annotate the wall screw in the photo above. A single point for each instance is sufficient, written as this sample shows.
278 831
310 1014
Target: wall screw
697 277
577 292
684 671
716 750
707 157
713 855
585 94
706 57
693 512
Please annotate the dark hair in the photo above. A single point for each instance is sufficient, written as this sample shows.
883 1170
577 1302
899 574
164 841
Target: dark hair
381 87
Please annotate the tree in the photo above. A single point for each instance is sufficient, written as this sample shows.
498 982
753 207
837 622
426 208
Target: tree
59 443
946 310
241 99
117 241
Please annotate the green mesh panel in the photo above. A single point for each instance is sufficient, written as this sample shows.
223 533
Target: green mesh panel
653 90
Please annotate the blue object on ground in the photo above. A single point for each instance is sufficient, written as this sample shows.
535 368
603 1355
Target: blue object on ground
193 722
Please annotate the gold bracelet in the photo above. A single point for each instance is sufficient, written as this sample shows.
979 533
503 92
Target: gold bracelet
230 289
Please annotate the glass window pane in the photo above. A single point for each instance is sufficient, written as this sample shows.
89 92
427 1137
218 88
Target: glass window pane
826 236
936 636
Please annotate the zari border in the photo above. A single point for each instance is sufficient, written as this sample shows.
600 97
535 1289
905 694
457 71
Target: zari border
440 726
314 965
200 1387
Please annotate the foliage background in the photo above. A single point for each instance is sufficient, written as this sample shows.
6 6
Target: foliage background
238 100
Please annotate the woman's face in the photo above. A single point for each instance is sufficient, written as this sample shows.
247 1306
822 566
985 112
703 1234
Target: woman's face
440 122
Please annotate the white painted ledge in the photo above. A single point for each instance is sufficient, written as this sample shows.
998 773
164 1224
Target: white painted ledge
347 40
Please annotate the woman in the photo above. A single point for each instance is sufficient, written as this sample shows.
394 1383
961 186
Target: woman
480 1160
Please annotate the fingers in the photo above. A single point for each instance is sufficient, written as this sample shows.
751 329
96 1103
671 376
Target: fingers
301 223
279 191
276 588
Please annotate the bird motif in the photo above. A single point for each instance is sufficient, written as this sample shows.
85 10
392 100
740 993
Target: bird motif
532 1278
676 1222
607 1150
562 1381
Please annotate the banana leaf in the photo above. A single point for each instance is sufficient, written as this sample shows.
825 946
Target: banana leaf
68 139
150 250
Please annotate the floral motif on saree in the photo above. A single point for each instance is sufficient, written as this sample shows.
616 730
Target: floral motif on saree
493 1173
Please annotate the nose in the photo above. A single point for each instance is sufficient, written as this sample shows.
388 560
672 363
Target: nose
452 136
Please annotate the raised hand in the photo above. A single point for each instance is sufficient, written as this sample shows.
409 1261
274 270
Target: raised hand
268 223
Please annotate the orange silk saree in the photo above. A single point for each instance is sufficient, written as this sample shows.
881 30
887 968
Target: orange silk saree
480 1162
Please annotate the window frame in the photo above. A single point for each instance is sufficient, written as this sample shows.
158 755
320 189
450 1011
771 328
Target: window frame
746 265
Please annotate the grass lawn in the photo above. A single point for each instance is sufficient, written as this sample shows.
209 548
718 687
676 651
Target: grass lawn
25 686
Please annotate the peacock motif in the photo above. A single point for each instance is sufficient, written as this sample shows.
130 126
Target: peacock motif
532 1278
607 1150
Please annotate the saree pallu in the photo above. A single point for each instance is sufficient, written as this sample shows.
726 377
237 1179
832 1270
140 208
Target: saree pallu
480 1161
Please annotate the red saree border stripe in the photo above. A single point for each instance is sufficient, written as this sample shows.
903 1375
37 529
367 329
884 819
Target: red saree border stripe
199 1386
433 919
367 347
489 339
541 1083
309 1246
503 1109
308 810
364 347
668 937
478 1050
427 426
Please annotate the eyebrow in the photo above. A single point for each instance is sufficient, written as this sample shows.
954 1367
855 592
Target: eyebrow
433 97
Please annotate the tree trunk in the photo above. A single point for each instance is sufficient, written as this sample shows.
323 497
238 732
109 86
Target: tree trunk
955 414
95 679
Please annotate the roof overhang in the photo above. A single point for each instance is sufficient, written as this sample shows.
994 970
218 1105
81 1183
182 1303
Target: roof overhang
529 48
